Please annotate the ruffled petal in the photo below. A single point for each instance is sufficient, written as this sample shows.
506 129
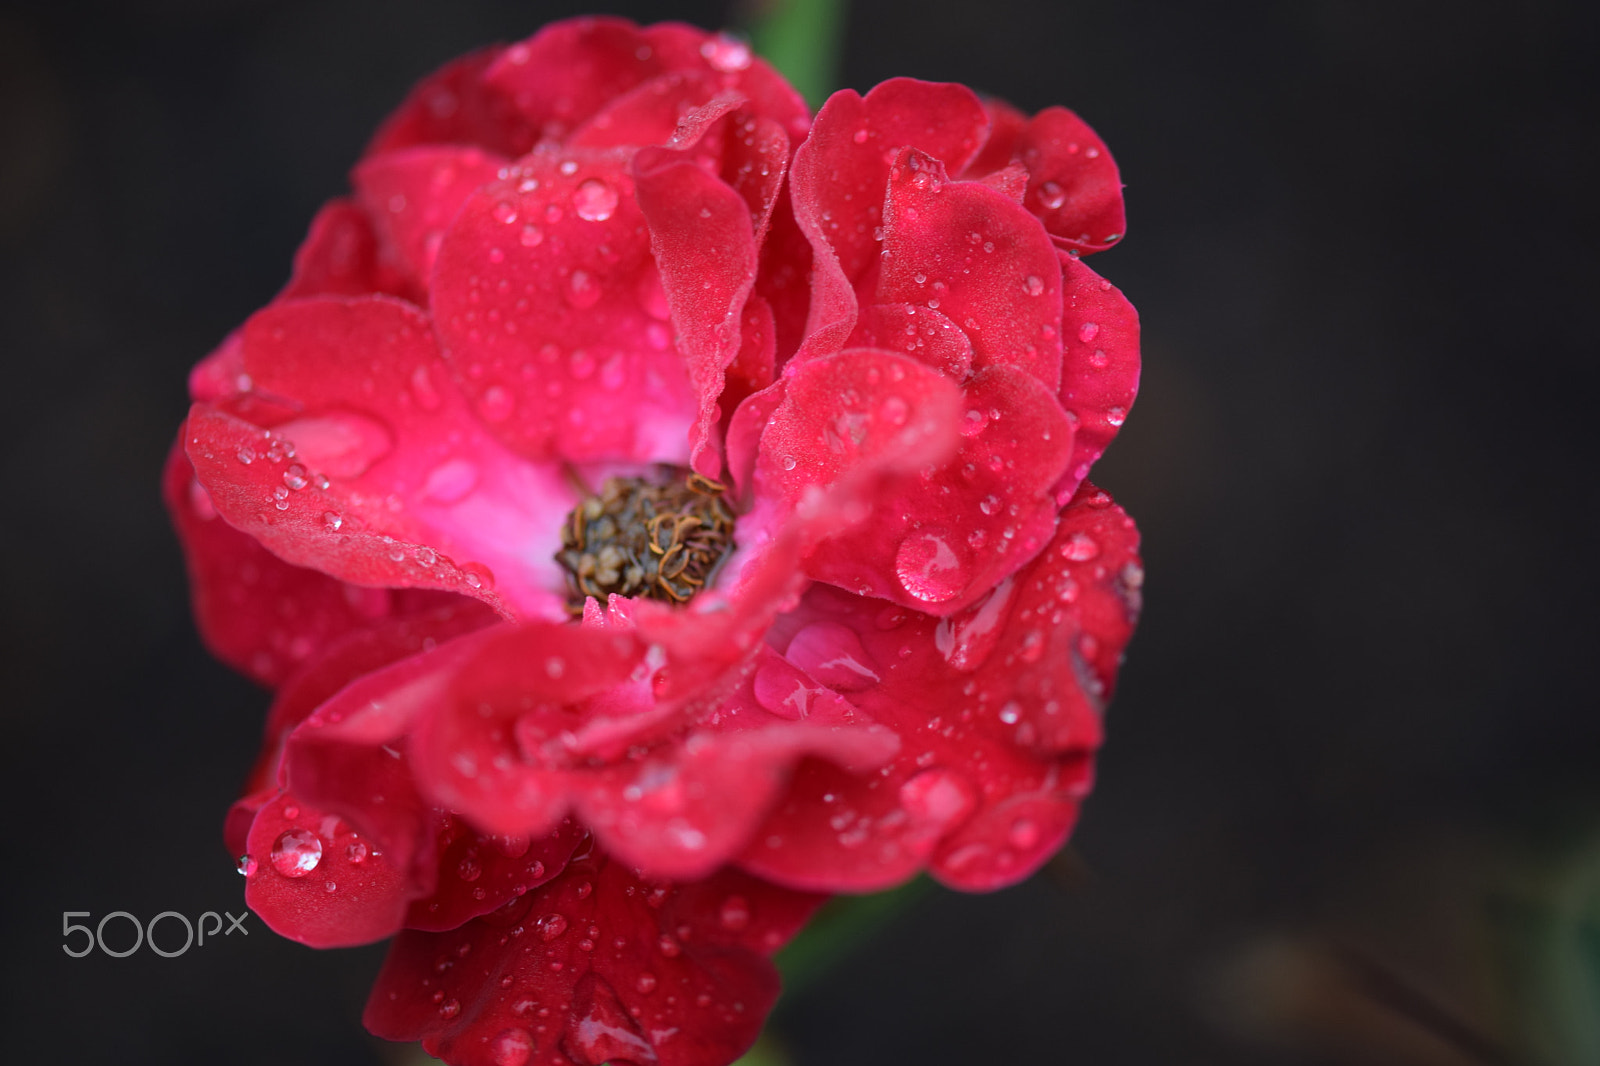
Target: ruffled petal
985 788
1073 184
456 105
391 480
542 721
942 537
595 967
705 232
264 617
551 312
341 257
1100 377
413 195
978 258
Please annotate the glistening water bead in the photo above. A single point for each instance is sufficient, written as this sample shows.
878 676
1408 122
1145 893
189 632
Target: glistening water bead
663 539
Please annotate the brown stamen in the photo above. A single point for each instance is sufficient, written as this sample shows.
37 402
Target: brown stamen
640 537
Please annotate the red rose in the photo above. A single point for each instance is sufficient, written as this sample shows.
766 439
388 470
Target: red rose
653 508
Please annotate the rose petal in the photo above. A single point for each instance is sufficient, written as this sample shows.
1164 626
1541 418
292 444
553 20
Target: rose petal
548 304
261 615
943 536
312 878
1100 377
1073 184
414 194
596 966
986 788
978 258
340 257
456 105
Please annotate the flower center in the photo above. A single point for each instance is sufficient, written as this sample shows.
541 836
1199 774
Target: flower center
646 538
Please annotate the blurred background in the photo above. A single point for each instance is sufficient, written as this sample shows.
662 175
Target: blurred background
1349 811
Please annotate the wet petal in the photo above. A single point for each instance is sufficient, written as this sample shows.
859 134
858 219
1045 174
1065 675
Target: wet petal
1100 375
984 789
596 966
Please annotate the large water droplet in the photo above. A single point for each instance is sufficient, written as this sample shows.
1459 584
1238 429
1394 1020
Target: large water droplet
727 54
296 852
552 926
514 1047
594 200
341 444
936 797
451 481
932 566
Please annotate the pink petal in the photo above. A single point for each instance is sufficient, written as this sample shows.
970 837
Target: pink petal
1100 376
455 105
979 259
311 877
596 966
340 257
259 614
921 332
548 304
942 537
413 195
704 233
1073 184
402 457
998 710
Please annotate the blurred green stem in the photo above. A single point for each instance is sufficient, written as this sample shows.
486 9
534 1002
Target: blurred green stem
802 39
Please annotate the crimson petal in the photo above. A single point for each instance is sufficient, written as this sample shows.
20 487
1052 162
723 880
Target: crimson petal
596 966
986 791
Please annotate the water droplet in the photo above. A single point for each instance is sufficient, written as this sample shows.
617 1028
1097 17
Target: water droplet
296 852
931 566
452 480
1080 548
860 136
496 404
449 1009
1099 360
514 1047
1115 416
726 53
552 926
936 797
1088 331
505 211
246 455
532 236
1033 285
594 200
469 869
332 520
356 852
247 866
582 290
1024 834
1052 196
1011 713
735 913
788 462
646 983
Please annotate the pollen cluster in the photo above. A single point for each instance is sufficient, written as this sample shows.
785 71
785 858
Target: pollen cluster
661 539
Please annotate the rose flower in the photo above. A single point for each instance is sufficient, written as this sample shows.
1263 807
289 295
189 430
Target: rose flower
656 509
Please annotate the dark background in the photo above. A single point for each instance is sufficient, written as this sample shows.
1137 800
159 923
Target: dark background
1350 794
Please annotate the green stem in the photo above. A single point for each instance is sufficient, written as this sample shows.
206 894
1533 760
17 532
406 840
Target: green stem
802 39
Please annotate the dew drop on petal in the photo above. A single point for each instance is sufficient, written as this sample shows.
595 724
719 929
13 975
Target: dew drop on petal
1052 196
1080 548
932 566
594 200
1088 331
496 404
552 926
1033 285
514 1047
735 913
296 852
